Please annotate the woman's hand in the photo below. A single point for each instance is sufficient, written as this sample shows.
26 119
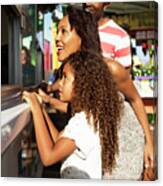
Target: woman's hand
149 155
49 88
149 165
45 97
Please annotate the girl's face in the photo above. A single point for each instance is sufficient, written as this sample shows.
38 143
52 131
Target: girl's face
66 84
67 40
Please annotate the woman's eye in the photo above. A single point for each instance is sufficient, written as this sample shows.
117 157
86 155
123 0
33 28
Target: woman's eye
64 76
64 31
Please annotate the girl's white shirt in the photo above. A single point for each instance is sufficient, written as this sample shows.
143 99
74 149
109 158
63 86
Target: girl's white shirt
87 156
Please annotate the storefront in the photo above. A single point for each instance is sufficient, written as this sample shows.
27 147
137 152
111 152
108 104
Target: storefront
18 148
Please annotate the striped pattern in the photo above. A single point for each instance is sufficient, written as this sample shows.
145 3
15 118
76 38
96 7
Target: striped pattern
115 43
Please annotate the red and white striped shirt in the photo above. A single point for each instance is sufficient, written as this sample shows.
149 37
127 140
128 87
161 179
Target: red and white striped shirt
115 43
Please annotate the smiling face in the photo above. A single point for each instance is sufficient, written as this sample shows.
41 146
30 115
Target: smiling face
66 84
67 40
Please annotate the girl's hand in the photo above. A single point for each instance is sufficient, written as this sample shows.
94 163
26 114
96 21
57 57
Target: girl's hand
45 97
39 98
31 99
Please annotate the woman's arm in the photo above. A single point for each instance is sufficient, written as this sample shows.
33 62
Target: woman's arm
53 87
49 151
126 86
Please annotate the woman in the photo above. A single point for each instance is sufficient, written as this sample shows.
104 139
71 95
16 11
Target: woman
78 31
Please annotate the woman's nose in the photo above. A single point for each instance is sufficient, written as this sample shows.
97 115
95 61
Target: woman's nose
60 83
57 37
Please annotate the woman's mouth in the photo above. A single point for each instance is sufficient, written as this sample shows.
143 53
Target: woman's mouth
60 93
59 50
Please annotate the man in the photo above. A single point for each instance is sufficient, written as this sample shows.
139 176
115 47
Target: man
115 42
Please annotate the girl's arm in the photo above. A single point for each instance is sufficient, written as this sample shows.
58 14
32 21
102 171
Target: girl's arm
126 86
57 104
52 129
50 151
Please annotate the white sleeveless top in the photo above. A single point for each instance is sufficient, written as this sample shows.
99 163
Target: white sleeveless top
84 162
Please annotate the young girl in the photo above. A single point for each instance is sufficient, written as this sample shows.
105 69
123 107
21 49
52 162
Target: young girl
89 143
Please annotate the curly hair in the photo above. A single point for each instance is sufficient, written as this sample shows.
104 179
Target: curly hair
86 27
96 94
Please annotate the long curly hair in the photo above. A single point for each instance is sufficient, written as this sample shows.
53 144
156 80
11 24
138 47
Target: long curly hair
86 27
96 94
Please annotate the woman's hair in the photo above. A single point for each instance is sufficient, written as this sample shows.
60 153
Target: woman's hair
86 27
96 94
